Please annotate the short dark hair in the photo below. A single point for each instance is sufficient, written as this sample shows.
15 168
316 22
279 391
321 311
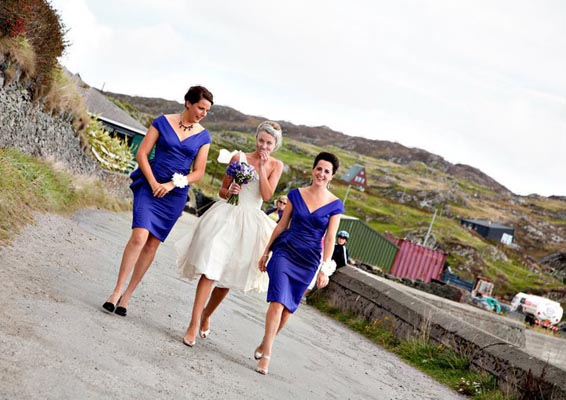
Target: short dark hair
331 158
196 93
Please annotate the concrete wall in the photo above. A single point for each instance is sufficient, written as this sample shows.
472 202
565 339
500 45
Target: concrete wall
510 330
374 298
27 128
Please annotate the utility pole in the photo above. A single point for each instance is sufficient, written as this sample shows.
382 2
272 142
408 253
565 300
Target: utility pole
346 195
429 228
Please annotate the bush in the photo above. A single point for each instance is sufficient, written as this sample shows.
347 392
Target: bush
63 97
111 152
40 24
21 53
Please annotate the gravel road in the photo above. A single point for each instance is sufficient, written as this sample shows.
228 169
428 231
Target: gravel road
56 342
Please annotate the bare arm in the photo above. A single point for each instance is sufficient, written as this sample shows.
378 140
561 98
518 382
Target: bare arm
226 189
143 161
333 223
199 165
281 227
331 230
268 184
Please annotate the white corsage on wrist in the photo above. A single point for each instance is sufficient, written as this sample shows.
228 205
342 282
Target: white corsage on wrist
179 180
328 267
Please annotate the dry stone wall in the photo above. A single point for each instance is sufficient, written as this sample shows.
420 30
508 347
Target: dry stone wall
27 128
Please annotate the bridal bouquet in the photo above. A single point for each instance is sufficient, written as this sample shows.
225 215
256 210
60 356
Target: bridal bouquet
242 173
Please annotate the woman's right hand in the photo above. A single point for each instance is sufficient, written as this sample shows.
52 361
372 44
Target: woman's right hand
234 188
321 280
262 264
161 189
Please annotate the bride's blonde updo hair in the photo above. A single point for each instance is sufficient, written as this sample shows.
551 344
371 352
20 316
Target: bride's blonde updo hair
273 129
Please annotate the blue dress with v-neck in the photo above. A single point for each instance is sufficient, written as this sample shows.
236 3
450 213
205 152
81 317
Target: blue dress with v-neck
158 215
297 251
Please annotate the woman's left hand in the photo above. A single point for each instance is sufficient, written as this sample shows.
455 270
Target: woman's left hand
321 280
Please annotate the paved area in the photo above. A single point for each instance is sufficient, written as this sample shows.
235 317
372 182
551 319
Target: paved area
56 342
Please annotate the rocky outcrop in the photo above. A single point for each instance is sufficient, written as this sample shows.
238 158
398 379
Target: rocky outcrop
557 262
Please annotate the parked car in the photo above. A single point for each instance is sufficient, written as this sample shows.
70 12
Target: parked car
487 303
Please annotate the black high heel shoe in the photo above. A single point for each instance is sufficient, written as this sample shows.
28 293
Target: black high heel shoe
109 306
121 311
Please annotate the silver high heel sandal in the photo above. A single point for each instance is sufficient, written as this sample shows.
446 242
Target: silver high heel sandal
263 371
204 334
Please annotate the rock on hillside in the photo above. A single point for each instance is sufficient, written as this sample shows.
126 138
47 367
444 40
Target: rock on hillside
227 118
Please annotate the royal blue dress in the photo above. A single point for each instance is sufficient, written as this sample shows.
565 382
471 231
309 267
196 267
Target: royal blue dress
297 251
158 215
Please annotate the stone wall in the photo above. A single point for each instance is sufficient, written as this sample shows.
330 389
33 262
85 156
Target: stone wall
375 299
27 128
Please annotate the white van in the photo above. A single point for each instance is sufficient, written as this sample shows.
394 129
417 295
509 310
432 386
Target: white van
536 307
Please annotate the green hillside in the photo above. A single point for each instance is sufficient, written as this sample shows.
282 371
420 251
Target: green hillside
405 187
389 204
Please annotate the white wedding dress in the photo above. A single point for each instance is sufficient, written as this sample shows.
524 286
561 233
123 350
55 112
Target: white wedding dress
228 241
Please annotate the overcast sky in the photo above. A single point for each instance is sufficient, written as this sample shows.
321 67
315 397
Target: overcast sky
478 82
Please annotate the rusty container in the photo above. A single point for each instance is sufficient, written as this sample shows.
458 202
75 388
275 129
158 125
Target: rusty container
417 262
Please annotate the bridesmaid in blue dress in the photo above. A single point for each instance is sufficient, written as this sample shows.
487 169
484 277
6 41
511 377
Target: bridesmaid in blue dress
160 187
311 213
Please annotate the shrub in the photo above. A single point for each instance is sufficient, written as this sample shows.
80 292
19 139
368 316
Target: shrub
63 97
111 152
40 24
21 52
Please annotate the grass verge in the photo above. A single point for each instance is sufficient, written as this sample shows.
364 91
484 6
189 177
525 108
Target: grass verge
28 185
437 361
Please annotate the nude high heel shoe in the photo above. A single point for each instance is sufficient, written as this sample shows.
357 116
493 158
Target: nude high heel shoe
263 371
190 343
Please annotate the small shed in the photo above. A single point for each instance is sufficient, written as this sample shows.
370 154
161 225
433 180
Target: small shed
367 245
490 230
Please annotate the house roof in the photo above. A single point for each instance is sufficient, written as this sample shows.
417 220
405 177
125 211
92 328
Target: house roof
486 223
98 104
352 172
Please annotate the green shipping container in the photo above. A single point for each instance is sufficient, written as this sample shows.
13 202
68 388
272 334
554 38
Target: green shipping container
367 245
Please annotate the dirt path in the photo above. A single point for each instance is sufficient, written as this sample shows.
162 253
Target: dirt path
56 342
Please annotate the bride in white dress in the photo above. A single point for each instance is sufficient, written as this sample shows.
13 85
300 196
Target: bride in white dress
225 246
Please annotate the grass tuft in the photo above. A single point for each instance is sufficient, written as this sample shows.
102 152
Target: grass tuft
436 360
28 185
